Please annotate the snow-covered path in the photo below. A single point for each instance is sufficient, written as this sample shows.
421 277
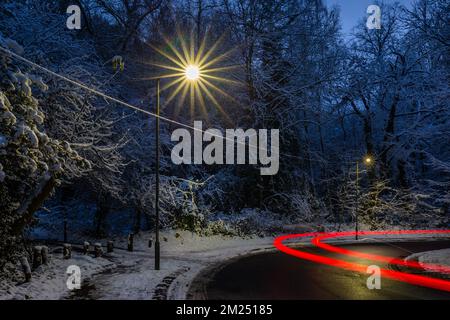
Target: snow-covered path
131 275
183 256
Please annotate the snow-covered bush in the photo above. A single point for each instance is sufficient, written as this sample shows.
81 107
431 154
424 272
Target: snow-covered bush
304 206
248 222
181 206
381 206
219 227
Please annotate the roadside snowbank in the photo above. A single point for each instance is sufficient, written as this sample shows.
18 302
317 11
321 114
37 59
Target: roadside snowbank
436 257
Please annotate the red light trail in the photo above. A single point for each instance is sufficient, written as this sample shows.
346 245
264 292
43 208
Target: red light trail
395 275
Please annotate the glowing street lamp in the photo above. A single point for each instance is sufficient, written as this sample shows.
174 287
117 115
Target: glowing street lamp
195 73
192 73
368 161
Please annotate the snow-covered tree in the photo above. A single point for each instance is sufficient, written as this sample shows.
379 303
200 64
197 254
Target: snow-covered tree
31 162
86 121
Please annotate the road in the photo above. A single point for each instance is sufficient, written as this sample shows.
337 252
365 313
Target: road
277 275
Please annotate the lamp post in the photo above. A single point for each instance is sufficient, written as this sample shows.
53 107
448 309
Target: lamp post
191 73
157 247
368 161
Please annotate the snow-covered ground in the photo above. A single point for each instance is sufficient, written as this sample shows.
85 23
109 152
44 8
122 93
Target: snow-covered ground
434 257
441 257
131 275
49 281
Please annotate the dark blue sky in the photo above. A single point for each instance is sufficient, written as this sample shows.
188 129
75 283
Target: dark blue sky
353 10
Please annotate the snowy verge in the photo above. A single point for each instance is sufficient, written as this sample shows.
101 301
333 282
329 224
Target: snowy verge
49 281
435 257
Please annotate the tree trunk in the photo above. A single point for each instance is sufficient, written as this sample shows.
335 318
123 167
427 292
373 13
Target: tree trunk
100 216
138 219
34 202
388 134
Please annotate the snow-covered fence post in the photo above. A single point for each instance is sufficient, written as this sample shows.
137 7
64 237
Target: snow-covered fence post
67 251
37 256
150 242
86 246
98 251
110 246
26 268
44 255
130 241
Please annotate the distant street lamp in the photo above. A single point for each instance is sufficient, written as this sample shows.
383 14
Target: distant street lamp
368 161
191 73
